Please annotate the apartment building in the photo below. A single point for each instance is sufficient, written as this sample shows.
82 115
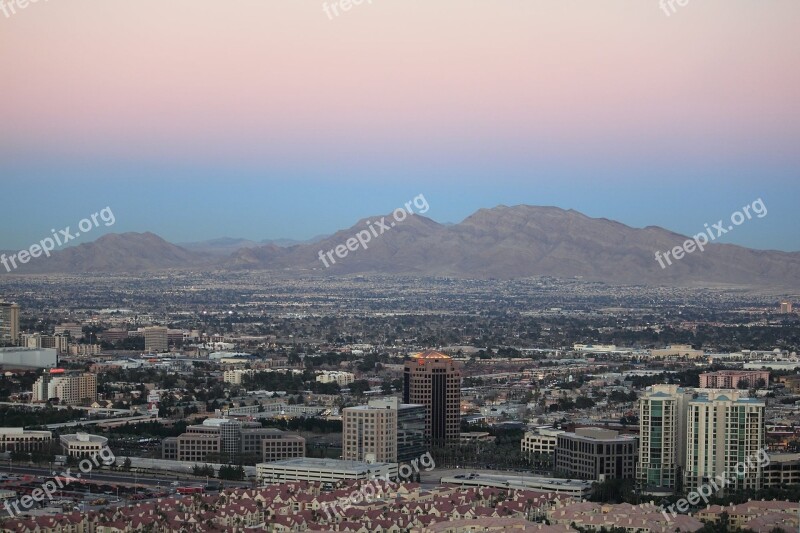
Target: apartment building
662 438
734 379
724 429
70 389
343 379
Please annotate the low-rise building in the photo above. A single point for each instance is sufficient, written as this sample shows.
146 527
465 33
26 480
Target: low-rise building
596 454
756 515
473 437
343 379
573 487
279 446
24 440
224 438
783 469
82 445
734 379
322 470
677 351
540 440
644 518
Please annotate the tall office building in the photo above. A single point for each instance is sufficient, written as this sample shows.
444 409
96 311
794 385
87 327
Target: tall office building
384 430
369 433
433 379
9 323
662 438
156 339
724 430
411 432
786 307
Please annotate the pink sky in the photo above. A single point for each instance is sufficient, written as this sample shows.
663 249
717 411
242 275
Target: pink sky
276 78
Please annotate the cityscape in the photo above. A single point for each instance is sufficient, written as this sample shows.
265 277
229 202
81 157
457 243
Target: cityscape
399 267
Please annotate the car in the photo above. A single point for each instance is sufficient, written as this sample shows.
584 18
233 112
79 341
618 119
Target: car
175 483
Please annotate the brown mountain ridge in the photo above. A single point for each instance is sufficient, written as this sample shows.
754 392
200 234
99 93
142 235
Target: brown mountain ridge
502 242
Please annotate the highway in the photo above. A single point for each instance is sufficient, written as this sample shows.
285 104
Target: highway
103 476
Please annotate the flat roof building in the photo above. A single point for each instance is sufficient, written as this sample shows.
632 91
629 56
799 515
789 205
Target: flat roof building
321 470
70 389
82 445
226 438
369 433
573 487
156 339
28 357
24 440
734 379
596 454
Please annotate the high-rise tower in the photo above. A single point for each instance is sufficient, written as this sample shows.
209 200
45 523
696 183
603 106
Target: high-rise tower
433 379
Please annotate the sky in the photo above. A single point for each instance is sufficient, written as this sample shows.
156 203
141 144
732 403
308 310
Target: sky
198 119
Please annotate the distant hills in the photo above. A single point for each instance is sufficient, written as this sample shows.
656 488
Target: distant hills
115 252
502 242
228 245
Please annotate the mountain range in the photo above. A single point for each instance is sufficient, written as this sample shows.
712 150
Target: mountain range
502 242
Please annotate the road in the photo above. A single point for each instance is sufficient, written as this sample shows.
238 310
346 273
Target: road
122 420
117 477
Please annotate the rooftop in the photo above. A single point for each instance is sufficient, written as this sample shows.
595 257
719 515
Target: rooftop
357 467
430 354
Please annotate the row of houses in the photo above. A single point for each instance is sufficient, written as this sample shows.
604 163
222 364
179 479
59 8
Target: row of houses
395 508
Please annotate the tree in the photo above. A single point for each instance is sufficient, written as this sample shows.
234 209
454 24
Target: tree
126 464
359 387
583 402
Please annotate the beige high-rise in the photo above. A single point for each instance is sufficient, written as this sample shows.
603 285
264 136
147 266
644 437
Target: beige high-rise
724 430
9 323
433 379
370 433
